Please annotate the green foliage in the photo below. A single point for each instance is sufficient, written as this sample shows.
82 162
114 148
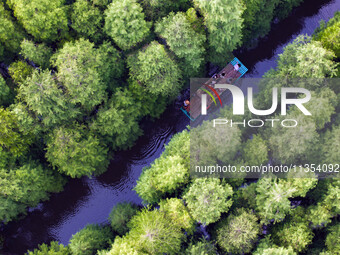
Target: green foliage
87 20
5 92
257 17
153 69
19 71
78 66
76 152
208 195
330 145
301 181
44 97
90 239
124 246
203 247
319 215
7 159
296 235
40 54
329 35
101 3
1 50
223 19
272 201
321 106
28 123
238 233
244 197
44 19
26 186
331 200
278 251
332 239
10 33
285 7
125 24
156 9
152 106
306 59
327 203
9 209
29 183
291 145
120 215
212 144
165 176
182 39
195 21
168 173
178 214
53 249
118 120
255 151
151 233
11 138
330 38
111 65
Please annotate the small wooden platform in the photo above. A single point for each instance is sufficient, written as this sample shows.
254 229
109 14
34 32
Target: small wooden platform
230 76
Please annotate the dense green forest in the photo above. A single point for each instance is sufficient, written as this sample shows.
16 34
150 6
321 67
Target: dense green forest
236 215
77 77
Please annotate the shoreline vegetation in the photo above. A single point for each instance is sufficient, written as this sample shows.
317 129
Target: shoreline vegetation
83 74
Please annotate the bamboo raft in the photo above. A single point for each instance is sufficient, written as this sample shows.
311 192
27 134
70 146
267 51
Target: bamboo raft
231 75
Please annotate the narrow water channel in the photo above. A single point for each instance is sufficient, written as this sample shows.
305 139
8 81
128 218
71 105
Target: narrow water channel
90 200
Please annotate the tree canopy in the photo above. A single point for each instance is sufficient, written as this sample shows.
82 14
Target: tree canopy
118 121
168 172
184 41
40 54
125 23
150 234
25 186
78 66
87 20
223 19
90 239
10 33
208 195
44 19
154 69
54 248
11 137
120 215
44 97
76 152
5 92
238 233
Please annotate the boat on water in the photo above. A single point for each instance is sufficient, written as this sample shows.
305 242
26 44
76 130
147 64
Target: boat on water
228 75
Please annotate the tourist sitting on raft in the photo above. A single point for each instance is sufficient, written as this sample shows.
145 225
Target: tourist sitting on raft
186 105
237 66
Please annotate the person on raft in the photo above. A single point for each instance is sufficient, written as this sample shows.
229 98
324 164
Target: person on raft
236 67
186 105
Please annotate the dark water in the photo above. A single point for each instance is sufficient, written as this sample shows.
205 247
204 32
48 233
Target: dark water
90 200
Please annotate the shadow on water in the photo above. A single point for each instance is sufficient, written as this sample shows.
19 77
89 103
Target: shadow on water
90 200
